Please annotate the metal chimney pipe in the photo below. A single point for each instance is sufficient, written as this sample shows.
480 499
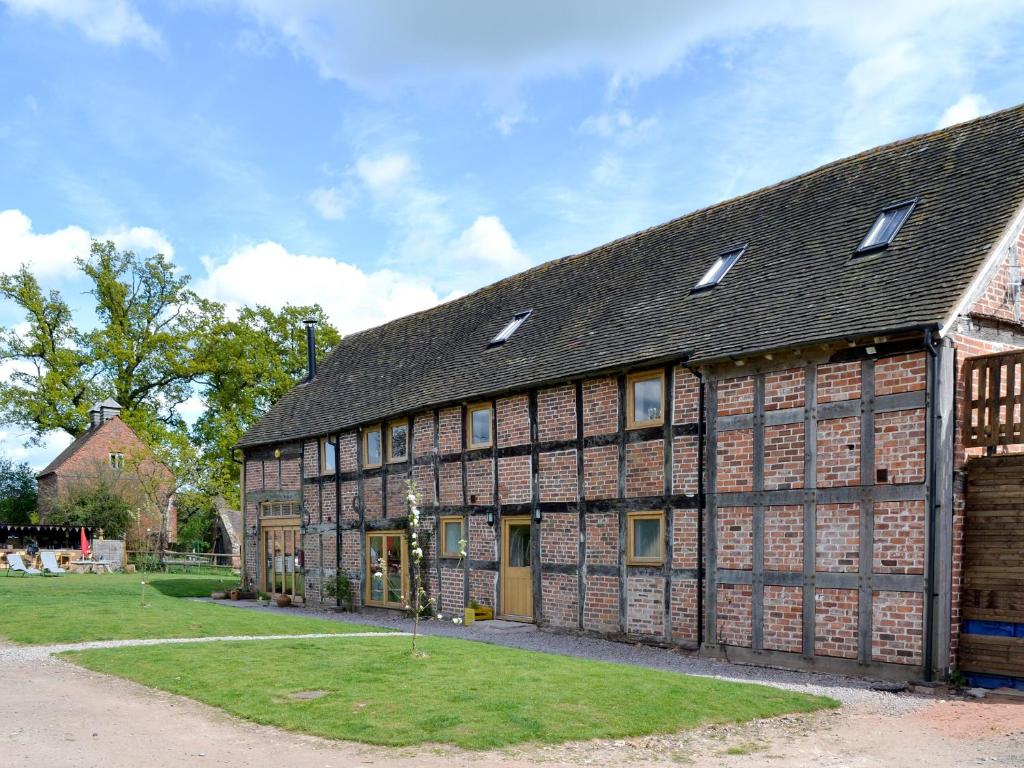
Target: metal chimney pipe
310 349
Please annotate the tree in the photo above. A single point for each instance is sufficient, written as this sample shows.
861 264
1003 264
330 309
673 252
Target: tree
18 498
104 504
259 356
197 516
146 351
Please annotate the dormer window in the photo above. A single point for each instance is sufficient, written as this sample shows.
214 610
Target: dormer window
512 327
719 269
886 226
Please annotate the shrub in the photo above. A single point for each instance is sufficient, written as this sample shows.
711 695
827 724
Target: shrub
339 588
99 506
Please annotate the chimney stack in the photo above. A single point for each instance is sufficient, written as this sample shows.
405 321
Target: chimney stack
310 349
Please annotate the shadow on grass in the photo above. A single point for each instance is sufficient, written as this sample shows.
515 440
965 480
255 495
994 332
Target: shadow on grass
192 587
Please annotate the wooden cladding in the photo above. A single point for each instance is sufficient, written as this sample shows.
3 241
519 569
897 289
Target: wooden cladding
993 400
994 563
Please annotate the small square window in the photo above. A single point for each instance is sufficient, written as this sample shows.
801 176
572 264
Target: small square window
888 223
372 449
328 455
116 460
451 537
512 327
478 426
718 270
398 441
645 396
645 538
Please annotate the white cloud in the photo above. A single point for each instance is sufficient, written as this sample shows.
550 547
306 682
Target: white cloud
12 445
267 273
47 255
486 240
110 22
967 108
53 254
332 203
383 173
619 125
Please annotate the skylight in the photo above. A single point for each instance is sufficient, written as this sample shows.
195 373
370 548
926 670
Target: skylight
886 226
718 270
512 327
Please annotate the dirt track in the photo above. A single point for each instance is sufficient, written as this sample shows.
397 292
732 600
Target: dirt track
55 714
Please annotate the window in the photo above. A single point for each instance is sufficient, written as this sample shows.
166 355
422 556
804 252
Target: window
478 426
372 448
645 399
512 327
645 538
328 455
718 270
386 584
886 226
451 537
398 441
279 509
116 461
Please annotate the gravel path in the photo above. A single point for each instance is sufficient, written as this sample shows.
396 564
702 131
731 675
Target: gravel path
526 636
12 653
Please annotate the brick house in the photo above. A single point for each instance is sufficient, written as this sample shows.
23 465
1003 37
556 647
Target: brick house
110 451
735 432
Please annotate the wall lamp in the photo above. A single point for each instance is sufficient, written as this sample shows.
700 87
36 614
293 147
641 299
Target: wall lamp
490 519
536 514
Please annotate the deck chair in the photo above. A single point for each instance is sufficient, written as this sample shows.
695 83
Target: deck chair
50 564
16 564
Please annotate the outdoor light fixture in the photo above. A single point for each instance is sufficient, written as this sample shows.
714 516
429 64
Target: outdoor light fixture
490 519
536 514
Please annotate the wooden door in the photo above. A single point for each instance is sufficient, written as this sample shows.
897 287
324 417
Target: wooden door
282 567
387 582
516 570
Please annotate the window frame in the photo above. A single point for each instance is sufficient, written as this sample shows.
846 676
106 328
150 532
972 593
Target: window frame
470 410
735 253
324 469
509 329
368 600
444 522
631 518
632 379
408 438
366 443
909 204
115 460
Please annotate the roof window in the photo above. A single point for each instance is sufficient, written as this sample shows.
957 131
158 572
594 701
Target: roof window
886 226
512 327
719 269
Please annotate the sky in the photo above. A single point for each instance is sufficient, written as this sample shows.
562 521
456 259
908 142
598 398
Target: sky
378 158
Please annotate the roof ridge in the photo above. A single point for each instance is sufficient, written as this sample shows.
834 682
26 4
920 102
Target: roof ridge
751 195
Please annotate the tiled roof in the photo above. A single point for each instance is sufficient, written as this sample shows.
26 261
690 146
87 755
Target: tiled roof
629 301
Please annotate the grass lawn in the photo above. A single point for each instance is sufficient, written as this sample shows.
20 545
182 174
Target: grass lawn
466 693
76 608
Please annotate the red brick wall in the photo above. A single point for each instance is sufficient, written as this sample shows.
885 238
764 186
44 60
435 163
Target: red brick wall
557 476
423 434
450 430
783 538
559 538
837 538
784 456
602 538
734 614
560 597
601 606
513 415
556 413
835 623
900 445
735 539
783 618
684 464
837 382
514 479
601 472
645 468
480 482
736 396
735 461
600 406
686 396
645 606
784 389
838 452
896 627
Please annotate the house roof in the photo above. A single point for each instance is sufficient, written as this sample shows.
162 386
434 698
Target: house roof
76 445
629 301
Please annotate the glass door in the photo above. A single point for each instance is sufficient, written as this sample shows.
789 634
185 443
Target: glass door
387 585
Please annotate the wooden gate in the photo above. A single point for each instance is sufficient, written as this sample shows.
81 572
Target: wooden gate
993 599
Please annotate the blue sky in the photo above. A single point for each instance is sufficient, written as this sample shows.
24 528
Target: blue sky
380 157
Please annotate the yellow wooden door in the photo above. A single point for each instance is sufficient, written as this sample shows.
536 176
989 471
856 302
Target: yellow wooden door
516 573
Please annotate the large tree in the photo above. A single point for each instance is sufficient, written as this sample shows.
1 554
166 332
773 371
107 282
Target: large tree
146 349
260 355
17 492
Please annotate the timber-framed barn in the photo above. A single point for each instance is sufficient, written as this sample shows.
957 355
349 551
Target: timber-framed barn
746 432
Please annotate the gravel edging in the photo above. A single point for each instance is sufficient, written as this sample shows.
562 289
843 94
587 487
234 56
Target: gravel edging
36 653
845 690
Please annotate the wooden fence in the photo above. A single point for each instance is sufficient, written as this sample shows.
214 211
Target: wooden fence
993 398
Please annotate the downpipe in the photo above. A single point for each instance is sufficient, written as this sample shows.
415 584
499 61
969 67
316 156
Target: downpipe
933 402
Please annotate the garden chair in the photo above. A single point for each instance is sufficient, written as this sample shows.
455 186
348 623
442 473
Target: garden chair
16 564
50 564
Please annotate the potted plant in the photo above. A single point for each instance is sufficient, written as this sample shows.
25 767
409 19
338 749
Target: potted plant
283 601
339 588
